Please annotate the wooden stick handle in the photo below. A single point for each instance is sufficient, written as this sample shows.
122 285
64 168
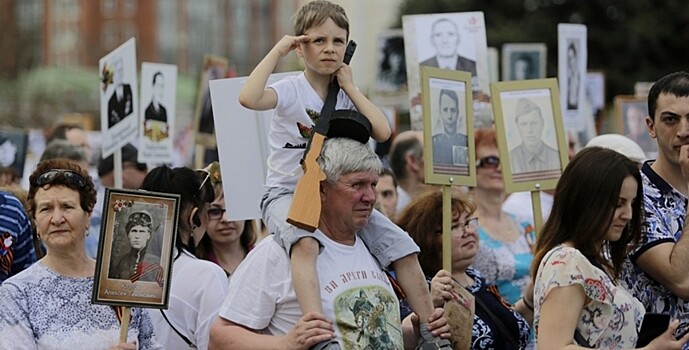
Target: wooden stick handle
305 211
124 327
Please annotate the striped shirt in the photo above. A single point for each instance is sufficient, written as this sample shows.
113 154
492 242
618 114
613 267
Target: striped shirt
16 244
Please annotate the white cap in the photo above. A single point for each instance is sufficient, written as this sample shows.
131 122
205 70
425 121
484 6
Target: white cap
620 144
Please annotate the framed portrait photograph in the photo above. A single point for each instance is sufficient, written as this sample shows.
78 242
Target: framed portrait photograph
522 61
452 41
391 72
119 96
631 112
157 112
595 90
531 136
448 128
214 67
571 72
134 259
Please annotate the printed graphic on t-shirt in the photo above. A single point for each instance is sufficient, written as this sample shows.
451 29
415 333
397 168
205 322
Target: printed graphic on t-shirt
368 318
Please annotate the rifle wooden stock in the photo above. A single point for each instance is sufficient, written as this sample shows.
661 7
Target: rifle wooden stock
305 210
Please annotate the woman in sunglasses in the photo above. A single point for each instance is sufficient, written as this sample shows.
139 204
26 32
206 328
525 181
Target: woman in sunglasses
226 242
495 325
505 253
49 304
197 287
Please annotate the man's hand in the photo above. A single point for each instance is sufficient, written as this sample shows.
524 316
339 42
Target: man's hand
684 161
311 329
437 324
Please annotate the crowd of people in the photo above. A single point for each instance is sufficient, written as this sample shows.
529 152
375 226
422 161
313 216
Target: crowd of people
370 276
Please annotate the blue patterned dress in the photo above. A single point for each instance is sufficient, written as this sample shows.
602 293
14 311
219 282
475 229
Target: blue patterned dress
506 264
41 309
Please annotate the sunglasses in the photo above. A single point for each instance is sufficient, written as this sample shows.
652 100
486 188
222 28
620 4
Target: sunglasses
215 213
490 161
71 176
206 174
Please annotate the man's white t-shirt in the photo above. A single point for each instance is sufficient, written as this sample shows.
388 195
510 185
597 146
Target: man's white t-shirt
356 293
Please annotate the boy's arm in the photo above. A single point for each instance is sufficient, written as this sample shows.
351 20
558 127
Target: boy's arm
380 129
254 94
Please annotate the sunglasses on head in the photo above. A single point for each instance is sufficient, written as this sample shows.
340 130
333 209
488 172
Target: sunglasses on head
205 174
71 176
490 161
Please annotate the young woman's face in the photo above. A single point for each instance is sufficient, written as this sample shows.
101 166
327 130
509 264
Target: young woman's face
219 229
623 211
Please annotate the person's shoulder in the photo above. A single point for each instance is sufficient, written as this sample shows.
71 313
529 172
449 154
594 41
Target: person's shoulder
201 268
30 275
431 62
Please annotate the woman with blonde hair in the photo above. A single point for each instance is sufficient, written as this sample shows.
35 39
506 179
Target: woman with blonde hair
226 242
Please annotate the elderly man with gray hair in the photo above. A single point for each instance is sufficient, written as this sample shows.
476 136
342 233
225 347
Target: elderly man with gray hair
261 309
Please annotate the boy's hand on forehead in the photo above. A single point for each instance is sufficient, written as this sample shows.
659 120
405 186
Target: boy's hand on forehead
289 43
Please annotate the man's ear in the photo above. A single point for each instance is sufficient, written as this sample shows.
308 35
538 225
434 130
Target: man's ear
650 124
298 50
413 162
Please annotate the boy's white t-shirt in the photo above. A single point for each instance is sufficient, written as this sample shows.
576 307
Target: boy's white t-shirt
356 294
298 107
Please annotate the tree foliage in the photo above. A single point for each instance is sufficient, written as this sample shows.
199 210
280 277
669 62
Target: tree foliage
629 40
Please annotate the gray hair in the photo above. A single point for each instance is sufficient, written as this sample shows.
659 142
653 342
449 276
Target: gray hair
59 148
341 156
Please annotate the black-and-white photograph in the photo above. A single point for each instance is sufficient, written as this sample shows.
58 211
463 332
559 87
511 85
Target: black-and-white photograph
391 74
448 127
631 120
449 41
522 61
531 136
135 250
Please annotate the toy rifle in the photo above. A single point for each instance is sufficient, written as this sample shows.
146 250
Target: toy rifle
305 210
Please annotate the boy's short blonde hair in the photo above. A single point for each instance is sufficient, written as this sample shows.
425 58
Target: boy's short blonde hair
316 12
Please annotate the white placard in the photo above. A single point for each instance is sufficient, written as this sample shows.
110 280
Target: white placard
157 112
242 136
118 97
571 74
461 38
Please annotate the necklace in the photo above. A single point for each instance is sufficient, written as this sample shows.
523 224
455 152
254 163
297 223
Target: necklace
465 286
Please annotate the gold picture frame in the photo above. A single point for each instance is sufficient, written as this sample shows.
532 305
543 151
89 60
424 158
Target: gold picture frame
630 116
449 154
517 106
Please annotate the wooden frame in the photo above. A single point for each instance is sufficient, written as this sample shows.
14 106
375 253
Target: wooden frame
450 160
630 114
530 99
124 277
533 54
